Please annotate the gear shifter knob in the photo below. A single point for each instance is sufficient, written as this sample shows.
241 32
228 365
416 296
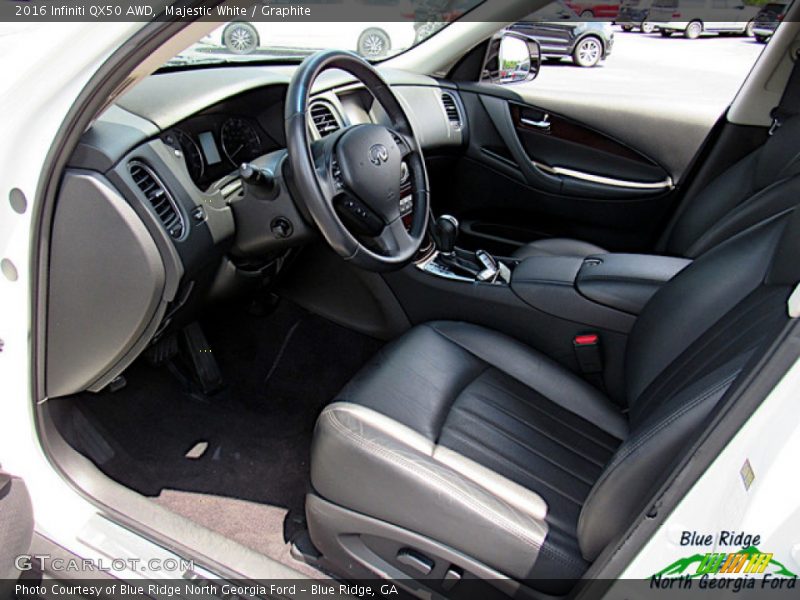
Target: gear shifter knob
446 230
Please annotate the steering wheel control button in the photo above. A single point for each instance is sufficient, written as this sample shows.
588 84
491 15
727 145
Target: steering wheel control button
281 227
405 174
361 217
336 172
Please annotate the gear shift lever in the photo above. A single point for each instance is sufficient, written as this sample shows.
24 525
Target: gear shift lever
461 264
446 233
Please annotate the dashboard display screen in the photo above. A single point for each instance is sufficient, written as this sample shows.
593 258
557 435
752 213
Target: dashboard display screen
209 147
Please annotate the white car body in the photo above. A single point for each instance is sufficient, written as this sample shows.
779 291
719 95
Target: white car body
348 36
710 27
726 16
37 95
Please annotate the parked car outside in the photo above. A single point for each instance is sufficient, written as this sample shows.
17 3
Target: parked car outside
561 34
372 40
694 18
633 14
767 19
596 10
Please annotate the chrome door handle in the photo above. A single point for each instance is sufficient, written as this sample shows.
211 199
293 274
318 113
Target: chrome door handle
543 124
603 180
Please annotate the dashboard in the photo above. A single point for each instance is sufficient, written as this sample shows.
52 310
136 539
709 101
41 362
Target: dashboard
188 132
218 140
155 184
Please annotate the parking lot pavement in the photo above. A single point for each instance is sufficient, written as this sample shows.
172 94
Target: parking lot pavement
708 70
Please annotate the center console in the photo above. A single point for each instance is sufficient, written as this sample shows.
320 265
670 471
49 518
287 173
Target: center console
552 303
605 290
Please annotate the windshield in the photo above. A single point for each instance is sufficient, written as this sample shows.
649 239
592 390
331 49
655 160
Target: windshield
394 27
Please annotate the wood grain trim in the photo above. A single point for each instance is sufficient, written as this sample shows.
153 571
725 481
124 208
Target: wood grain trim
567 130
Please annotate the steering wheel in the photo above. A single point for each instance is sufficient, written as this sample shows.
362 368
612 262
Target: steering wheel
350 181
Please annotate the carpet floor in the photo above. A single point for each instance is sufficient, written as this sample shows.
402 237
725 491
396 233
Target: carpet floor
236 462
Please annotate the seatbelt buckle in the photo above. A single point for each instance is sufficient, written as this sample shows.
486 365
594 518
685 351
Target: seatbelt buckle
587 351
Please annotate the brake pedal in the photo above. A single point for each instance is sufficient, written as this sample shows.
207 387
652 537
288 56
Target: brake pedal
162 351
201 359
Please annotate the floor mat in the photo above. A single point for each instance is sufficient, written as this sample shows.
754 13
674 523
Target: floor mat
250 442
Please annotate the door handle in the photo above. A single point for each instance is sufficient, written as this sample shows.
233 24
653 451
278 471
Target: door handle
544 123
665 184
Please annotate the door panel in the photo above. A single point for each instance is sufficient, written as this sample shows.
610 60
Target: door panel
667 131
547 167
537 167
560 145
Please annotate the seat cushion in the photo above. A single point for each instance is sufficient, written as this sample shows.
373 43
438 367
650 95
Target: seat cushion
469 437
558 247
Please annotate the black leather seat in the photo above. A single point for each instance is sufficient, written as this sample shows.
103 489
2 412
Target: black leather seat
743 195
472 440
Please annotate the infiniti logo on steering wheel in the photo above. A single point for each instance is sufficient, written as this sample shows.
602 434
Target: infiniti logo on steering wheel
378 154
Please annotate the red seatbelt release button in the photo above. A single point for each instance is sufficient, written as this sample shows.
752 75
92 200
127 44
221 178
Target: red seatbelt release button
588 339
587 352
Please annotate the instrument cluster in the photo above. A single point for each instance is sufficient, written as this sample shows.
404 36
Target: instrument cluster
214 145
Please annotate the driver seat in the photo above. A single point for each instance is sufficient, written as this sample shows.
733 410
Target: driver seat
460 452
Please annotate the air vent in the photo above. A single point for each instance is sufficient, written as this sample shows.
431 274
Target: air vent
451 108
324 119
160 199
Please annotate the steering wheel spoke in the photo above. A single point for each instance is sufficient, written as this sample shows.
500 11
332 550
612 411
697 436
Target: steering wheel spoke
395 239
326 168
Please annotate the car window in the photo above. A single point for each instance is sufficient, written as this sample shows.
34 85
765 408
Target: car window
394 27
614 64
554 11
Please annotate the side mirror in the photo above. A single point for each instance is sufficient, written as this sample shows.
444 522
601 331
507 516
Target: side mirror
512 58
